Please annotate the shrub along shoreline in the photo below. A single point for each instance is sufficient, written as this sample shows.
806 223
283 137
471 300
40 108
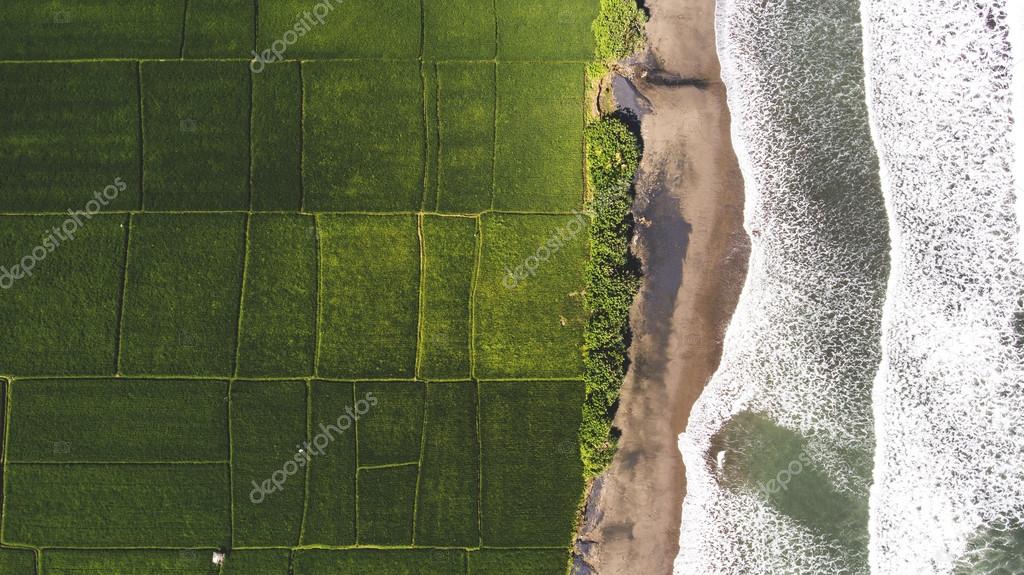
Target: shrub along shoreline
613 273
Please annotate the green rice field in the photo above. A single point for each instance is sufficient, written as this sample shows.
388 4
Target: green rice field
256 293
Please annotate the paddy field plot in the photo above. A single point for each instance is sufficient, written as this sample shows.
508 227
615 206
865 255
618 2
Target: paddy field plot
331 319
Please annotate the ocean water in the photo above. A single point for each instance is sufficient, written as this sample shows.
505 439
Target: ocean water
868 412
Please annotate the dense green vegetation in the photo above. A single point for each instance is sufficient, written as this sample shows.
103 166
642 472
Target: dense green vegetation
465 170
516 562
277 328
33 30
193 114
459 29
619 31
378 561
378 165
110 420
545 30
387 498
134 562
613 279
116 505
277 137
331 498
531 471
82 117
257 562
182 293
448 499
529 324
426 169
63 319
538 154
368 263
449 256
268 421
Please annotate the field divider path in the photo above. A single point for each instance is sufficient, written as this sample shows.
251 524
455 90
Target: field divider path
437 144
472 371
140 136
355 433
296 377
124 297
184 21
419 464
317 339
6 443
494 127
307 213
231 465
309 466
302 141
418 361
241 297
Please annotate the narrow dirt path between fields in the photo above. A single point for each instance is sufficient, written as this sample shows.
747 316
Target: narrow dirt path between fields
689 209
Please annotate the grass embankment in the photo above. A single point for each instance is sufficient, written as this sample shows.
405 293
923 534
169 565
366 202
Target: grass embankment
613 274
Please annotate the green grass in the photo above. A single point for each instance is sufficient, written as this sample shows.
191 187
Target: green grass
63 318
466 126
277 137
364 136
278 326
268 422
34 30
379 562
196 135
354 29
257 562
331 503
97 505
532 475
17 561
539 153
68 131
530 327
368 317
390 432
219 29
458 30
181 305
106 420
447 505
542 30
449 260
131 562
517 562
387 496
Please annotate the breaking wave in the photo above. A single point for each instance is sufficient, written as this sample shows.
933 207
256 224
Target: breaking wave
867 419
804 343
949 478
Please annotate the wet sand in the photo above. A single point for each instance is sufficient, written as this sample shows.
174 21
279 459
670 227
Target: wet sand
689 209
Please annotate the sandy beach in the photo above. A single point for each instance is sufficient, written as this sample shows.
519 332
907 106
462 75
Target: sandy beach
689 209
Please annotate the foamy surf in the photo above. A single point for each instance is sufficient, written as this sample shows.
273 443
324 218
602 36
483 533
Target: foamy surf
948 492
779 448
788 414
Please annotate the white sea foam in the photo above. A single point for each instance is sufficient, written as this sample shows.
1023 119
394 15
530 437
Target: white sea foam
803 345
949 397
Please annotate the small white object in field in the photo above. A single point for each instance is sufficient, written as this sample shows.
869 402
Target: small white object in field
218 558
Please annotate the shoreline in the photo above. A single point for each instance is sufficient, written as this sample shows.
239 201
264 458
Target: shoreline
689 213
